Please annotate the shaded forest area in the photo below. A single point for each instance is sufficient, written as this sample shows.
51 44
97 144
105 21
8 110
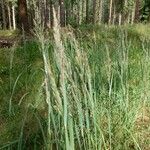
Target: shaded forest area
22 13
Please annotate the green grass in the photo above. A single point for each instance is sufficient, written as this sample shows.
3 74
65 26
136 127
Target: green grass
8 33
97 99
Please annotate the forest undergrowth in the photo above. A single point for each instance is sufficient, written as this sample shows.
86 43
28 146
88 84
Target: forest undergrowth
84 88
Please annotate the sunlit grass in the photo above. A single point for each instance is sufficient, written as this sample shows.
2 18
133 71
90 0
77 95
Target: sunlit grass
8 33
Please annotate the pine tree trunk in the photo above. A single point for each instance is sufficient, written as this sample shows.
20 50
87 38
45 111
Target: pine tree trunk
101 11
83 10
9 17
41 11
133 14
47 23
128 18
87 11
51 14
110 12
114 15
62 13
120 19
80 12
23 16
3 14
13 17
96 11
69 12
137 11
125 13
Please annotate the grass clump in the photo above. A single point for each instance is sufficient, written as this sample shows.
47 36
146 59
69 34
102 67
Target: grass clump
78 91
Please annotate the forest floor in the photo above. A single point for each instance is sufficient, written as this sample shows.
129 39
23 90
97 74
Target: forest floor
8 38
21 76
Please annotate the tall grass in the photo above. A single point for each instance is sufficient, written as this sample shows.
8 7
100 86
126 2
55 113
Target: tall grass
93 91
92 104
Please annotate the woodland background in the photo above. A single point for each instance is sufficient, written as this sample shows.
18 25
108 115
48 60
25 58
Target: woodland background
22 13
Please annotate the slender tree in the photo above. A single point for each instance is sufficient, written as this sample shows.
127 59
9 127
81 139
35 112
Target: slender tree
3 14
51 13
72 12
87 11
23 15
9 15
110 11
62 13
137 10
13 16
96 11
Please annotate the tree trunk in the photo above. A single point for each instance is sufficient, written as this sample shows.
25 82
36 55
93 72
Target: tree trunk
128 18
95 11
101 11
133 14
62 13
51 14
23 16
110 12
79 12
9 16
87 11
47 23
83 10
13 17
137 11
120 19
3 14
114 15
69 13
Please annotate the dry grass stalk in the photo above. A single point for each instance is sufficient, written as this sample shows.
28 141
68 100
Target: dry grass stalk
60 50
